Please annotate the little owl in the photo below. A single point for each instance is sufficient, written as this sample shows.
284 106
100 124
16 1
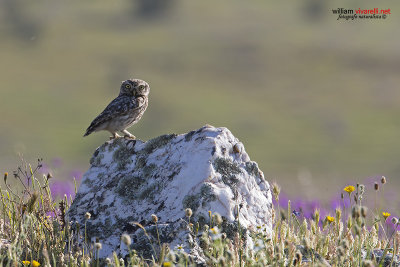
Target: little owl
123 111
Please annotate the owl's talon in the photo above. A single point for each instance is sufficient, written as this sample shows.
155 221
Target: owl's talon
128 135
114 136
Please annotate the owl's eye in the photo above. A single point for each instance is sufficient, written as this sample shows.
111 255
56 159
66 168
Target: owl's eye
141 87
128 86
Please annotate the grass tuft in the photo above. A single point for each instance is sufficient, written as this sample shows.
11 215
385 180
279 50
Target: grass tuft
34 232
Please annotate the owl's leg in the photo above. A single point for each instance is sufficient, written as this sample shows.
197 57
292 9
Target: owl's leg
114 135
128 135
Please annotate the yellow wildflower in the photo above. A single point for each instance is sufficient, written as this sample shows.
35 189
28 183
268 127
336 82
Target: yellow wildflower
349 189
34 263
385 215
167 264
330 219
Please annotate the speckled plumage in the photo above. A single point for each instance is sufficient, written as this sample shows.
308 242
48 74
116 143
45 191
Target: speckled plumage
123 111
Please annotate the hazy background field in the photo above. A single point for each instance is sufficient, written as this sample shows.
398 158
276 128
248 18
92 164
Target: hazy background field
315 101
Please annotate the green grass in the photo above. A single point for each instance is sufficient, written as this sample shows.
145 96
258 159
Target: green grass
35 227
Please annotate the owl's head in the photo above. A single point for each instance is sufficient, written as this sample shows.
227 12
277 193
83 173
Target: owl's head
134 87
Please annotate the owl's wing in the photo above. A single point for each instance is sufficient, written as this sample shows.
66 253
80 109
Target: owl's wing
118 107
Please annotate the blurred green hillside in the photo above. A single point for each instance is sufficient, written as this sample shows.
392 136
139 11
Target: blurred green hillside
316 101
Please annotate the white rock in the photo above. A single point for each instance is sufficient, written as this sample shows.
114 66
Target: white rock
205 170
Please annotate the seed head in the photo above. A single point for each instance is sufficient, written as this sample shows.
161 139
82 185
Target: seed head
126 239
349 222
188 212
5 176
154 218
376 186
383 180
364 211
108 261
218 218
316 215
356 211
276 190
338 214
98 246
87 215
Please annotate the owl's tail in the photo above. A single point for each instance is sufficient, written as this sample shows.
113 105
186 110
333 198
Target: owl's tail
94 126
88 131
